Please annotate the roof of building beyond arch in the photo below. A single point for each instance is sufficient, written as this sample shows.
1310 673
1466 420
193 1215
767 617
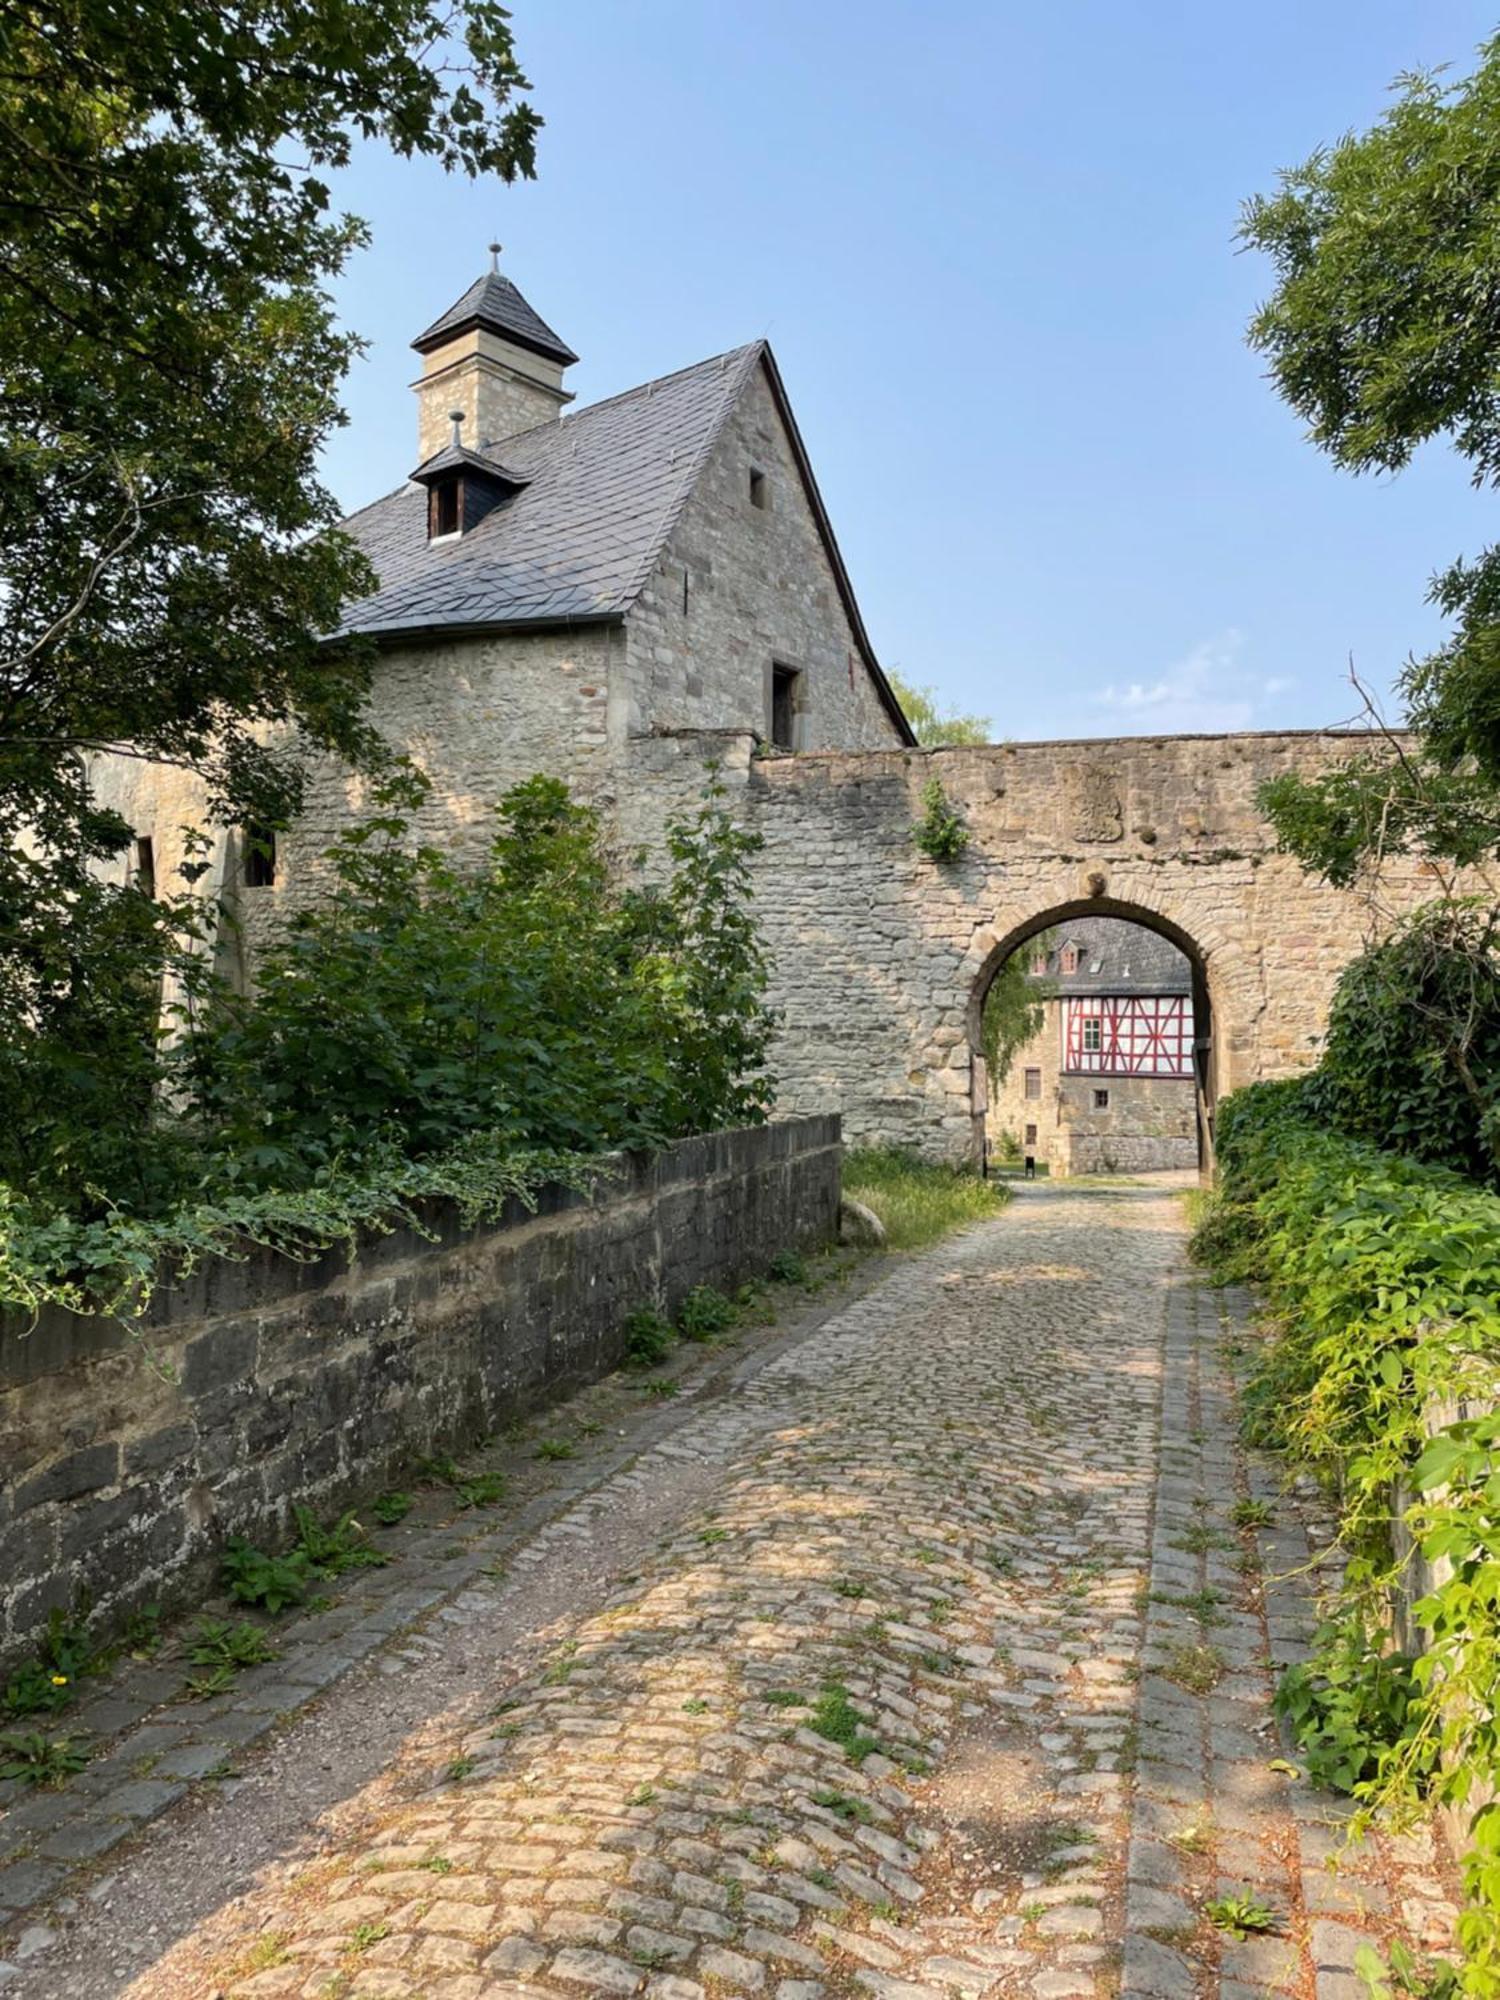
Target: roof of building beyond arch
1115 957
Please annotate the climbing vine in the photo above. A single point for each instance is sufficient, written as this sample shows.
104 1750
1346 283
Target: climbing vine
1381 1279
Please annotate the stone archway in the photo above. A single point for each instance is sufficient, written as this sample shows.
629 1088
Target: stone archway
880 955
1205 1083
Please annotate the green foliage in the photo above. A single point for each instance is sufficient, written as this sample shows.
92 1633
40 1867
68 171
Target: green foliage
648 1337
1382 1280
789 1267
918 1200
835 1717
331 1551
422 1033
1241 1914
935 726
389 1508
1412 1056
1014 1010
50 1681
274 1582
170 366
705 1312
940 833
214 1642
531 1000
1350 1705
1401 1972
1381 336
32 1758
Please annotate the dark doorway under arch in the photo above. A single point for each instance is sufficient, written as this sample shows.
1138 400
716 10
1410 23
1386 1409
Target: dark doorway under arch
1056 918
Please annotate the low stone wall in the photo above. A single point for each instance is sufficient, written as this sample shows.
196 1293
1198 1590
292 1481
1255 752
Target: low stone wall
129 1455
1126 1153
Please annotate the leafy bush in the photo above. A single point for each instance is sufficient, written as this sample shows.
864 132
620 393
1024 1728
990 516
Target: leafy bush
648 1337
421 1032
1382 1280
940 833
705 1312
1412 1058
1351 1705
274 1582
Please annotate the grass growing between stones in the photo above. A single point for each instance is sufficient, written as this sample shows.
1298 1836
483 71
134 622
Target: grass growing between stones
918 1201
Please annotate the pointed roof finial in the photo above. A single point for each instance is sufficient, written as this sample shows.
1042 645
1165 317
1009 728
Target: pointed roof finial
495 249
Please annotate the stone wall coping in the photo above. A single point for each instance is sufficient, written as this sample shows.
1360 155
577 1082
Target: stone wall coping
222 1287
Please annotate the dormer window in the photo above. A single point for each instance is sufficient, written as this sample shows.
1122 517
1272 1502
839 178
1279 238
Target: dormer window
463 486
445 508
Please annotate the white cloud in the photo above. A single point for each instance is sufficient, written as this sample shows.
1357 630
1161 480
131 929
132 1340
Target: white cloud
1210 689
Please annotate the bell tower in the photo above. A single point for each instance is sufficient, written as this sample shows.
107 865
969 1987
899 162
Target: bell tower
495 360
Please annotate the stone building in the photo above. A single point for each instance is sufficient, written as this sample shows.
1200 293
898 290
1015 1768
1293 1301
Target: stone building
559 588
630 594
1106 1083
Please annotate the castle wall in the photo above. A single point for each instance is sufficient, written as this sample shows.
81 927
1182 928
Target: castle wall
882 956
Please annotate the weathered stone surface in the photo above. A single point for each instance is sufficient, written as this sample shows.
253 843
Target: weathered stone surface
264 1383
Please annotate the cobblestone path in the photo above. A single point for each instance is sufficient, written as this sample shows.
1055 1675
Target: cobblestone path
891 1715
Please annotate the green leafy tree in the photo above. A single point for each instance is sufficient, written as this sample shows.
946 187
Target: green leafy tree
1014 1010
1382 334
530 1001
170 367
935 726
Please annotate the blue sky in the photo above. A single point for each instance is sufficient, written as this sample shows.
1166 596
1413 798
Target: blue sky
993 246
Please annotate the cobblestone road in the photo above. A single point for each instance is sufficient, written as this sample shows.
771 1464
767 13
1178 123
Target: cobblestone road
894 1713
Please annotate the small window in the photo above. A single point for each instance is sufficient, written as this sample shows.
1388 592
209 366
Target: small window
259 867
760 492
144 872
443 503
1101 1100
1070 958
1031 1135
1033 1083
1093 1034
784 707
1039 965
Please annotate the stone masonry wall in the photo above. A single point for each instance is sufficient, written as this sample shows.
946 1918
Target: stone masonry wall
882 957
759 590
131 1455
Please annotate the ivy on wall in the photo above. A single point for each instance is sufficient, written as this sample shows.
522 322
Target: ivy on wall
1381 1279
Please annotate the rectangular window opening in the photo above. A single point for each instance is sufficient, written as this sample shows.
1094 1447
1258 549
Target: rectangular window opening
144 873
1031 1135
1093 1034
1033 1083
258 869
1101 1100
784 707
760 493
443 505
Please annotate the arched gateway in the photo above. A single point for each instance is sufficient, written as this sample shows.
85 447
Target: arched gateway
1196 1034
882 957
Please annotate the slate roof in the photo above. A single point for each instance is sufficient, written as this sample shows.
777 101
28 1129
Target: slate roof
493 301
459 458
1116 957
605 487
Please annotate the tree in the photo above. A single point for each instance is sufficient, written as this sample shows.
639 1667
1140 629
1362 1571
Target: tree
1014 1009
937 727
1382 333
170 367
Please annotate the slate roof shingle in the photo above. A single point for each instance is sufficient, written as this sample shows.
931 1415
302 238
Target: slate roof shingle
494 302
1115 957
604 489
